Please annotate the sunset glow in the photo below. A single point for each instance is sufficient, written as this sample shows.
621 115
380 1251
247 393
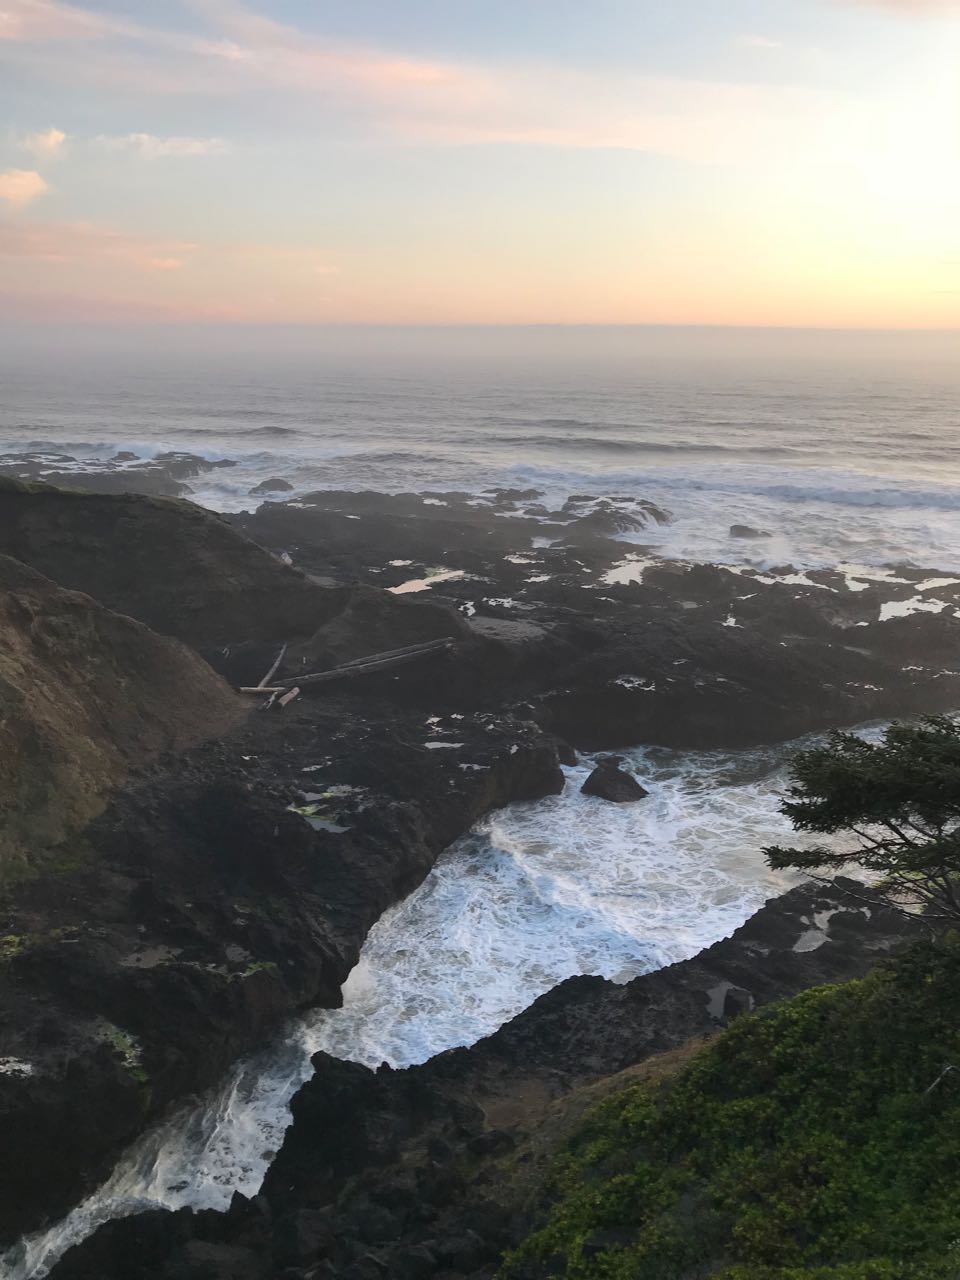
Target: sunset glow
789 163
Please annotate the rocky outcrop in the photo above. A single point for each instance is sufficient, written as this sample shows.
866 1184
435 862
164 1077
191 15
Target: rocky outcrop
610 781
183 571
86 696
747 531
437 1170
610 655
162 475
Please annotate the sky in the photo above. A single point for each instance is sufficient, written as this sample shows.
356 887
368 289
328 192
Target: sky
704 162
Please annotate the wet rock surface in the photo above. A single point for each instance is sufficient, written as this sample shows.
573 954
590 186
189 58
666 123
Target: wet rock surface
612 646
437 1170
163 475
610 781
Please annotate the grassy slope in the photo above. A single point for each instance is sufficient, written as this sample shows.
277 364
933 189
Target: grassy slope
802 1145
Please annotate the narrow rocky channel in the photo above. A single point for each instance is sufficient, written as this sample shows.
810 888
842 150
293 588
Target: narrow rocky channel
535 894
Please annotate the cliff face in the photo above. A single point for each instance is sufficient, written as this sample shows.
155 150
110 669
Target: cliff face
181 570
85 696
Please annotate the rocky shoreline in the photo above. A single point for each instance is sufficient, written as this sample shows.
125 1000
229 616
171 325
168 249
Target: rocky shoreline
437 1170
212 892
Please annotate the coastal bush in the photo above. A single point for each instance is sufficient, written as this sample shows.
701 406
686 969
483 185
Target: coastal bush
818 1139
900 798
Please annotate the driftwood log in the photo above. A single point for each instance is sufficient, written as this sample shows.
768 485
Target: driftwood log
356 667
273 670
374 662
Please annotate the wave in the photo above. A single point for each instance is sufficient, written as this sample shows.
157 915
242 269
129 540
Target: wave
600 444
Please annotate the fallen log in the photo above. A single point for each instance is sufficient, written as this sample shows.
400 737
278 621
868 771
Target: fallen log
374 662
273 670
423 646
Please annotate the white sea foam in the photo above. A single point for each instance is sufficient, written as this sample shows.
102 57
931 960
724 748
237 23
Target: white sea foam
537 893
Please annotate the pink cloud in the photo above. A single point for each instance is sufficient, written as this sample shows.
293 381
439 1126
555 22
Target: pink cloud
20 186
41 20
87 244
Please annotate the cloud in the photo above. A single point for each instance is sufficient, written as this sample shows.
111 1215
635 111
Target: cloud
243 51
41 20
148 144
370 93
19 186
47 142
91 245
87 244
758 42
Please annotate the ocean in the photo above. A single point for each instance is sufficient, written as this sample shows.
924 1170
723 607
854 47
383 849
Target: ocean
845 447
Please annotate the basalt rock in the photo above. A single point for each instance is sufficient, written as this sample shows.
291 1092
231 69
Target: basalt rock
610 781
162 475
747 531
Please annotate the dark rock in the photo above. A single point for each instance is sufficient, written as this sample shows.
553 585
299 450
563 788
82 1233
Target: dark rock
274 485
491 1143
747 531
302 1237
735 1003
463 1253
567 754
609 781
200 1260
414 1263
171 565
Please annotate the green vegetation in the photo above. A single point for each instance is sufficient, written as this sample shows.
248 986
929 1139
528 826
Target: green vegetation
11 944
816 1140
900 798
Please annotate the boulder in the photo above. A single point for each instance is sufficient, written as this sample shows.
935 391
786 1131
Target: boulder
274 485
748 531
611 782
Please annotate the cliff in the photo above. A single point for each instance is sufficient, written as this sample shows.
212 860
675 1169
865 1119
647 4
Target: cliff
86 696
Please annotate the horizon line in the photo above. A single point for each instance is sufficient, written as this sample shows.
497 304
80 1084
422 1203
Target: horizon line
487 326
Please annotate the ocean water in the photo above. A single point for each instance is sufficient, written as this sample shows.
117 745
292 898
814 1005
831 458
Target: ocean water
845 447
537 893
